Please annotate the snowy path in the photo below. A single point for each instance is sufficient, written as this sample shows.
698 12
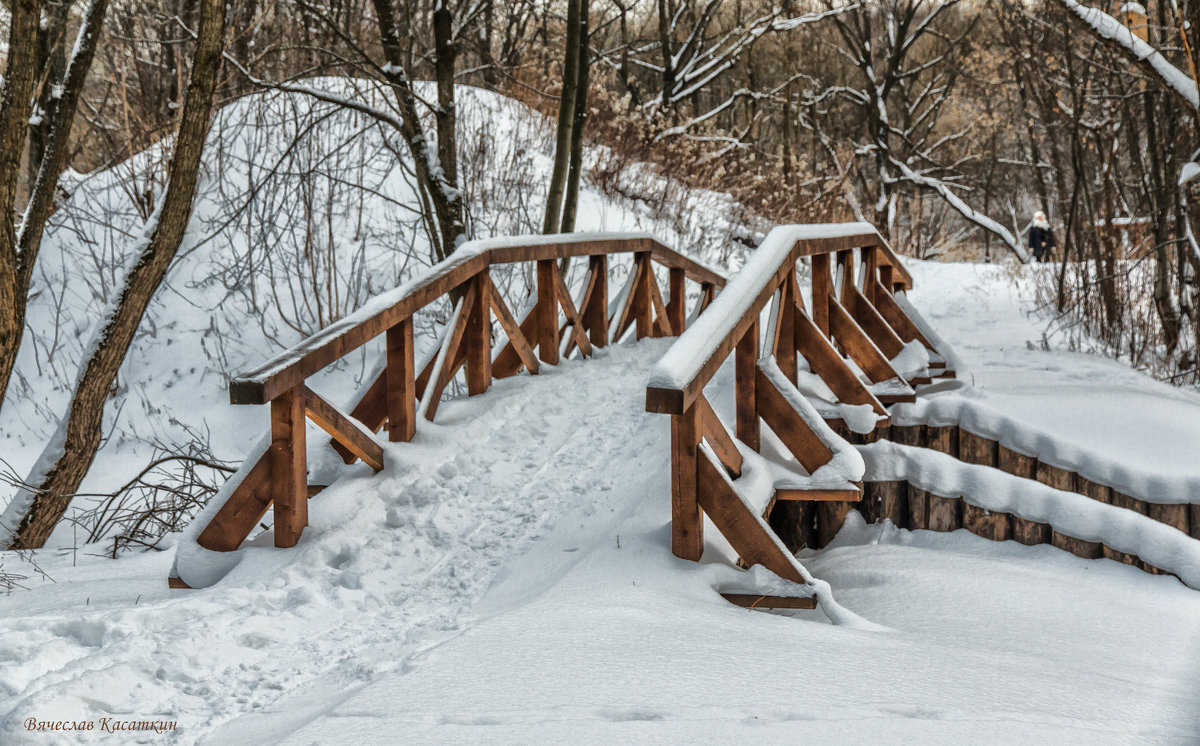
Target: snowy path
1107 421
508 579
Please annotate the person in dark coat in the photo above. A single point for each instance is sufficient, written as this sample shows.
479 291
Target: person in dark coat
1041 238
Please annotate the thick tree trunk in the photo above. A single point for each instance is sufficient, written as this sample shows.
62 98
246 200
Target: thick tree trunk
566 122
439 184
15 105
575 170
63 466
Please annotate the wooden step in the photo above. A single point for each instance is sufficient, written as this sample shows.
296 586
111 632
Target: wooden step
850 494
752 601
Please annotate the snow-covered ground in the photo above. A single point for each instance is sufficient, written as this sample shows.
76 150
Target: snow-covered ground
508 578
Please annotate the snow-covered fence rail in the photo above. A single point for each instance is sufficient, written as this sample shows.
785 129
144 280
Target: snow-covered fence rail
556 325
862 350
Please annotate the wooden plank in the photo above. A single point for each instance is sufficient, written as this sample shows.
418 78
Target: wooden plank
896 316
693 269
718 438
868 318
1023 530
454 353
677 303
858 346
785 330
626 315
976 449
511 360
917 499
751 601
573 318
289 470
745 372
822 292
687 522
775 410
242 511
517 341
595 303
1194 521
341 428
546 311
943 440
1174 515
478 341
707 293
870 265
1062 479
746 532
643 312
824 361
818 495
945 513
830 517
890 501
662 321
400 378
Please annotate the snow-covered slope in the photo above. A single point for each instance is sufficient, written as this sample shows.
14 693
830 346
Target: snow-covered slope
509 578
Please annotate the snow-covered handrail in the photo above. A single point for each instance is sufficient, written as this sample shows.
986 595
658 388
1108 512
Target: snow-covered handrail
302 360
693 360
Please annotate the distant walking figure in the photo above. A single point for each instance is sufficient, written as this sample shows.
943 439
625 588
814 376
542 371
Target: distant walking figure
1041 238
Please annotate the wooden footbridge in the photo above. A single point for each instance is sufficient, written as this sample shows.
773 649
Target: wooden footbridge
819 366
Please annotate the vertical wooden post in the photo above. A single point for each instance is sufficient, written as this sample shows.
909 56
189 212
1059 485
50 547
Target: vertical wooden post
976 449
595 316
687 521
401 393
643 311
870 260
677 303
547 311
1023 530
845 260
745 364
289 470
885 277
479 337
785 355
822 290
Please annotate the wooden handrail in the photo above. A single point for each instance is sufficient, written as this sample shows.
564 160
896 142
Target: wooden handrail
701 350
299 362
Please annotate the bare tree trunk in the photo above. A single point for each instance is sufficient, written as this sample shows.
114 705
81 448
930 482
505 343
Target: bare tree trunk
439 183
575 173
54 152
15 105
566 121
65 462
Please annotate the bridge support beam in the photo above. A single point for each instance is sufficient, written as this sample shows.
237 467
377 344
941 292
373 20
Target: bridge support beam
289 470
687 521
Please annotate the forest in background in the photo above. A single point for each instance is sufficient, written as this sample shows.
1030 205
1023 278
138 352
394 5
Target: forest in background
945 124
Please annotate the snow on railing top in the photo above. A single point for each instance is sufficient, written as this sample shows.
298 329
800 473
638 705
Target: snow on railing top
685 360
331 342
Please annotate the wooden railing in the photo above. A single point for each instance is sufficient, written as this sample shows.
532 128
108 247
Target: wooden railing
401 394
854 318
